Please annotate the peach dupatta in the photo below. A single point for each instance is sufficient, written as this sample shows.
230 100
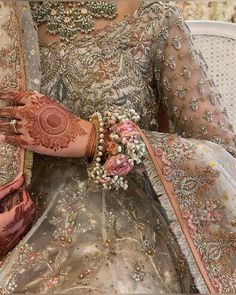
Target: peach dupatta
17 208
192 188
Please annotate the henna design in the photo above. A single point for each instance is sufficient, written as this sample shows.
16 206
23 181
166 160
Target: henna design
7 127
16 96
42 121
53 121
23 216
15 140
52 127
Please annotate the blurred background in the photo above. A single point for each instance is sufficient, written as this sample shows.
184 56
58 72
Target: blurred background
209 10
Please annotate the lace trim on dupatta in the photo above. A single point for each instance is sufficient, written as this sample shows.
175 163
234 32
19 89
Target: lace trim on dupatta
184 190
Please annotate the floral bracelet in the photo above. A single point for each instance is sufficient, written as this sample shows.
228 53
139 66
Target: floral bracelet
118 148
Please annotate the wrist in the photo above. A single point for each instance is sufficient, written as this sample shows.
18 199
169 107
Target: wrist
115 158
92 142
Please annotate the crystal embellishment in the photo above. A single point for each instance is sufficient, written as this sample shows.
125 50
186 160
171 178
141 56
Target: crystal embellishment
67 18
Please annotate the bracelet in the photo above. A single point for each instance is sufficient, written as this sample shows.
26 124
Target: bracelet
96 120
118 148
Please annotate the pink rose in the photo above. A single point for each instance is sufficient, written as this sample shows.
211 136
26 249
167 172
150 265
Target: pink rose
125 129
112 148
118 165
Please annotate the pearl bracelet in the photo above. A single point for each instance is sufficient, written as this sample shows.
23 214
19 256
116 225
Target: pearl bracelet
118 148
97 120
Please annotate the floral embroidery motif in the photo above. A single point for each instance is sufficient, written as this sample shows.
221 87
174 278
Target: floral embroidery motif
202 86
193 182
171 63
194 104
208 116
181 92
187 72
177 42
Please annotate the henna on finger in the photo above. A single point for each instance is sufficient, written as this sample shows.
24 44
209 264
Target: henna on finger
44 126
15 140
10 112
7 127
15 96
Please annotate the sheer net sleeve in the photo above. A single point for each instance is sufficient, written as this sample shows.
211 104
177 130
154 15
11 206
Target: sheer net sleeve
190 96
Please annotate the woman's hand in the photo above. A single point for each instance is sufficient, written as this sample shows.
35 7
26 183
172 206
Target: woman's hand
39 124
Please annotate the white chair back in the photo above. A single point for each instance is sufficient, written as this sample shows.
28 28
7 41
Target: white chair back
217 42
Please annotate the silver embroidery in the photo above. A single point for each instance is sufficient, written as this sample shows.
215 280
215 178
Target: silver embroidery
166 84
177 42
171 63
164 33
186 72
208 116
181 92
194 104
202 86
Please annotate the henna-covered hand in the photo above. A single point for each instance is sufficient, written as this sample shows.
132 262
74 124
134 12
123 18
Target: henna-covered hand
44 126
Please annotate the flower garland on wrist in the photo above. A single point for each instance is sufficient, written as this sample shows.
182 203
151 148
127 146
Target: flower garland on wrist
118 148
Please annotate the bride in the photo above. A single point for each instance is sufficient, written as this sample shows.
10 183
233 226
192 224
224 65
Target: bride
167 226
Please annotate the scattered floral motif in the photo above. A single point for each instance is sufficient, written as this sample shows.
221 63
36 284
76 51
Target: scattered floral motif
177 42
181 92
138 275
194 104
193 179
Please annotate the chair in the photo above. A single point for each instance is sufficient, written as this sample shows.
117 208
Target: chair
217 42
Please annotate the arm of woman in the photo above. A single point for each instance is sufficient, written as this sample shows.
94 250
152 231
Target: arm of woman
189 94
39 124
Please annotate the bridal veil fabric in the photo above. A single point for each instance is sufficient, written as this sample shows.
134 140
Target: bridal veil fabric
15 162
173 230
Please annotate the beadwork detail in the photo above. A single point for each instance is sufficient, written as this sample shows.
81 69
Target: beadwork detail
78 16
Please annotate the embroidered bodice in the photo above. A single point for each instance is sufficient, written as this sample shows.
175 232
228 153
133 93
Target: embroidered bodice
146 59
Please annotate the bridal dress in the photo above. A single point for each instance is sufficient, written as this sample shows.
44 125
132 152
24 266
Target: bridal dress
173 230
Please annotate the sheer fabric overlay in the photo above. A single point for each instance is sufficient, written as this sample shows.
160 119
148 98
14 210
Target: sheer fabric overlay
16 206
131 242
